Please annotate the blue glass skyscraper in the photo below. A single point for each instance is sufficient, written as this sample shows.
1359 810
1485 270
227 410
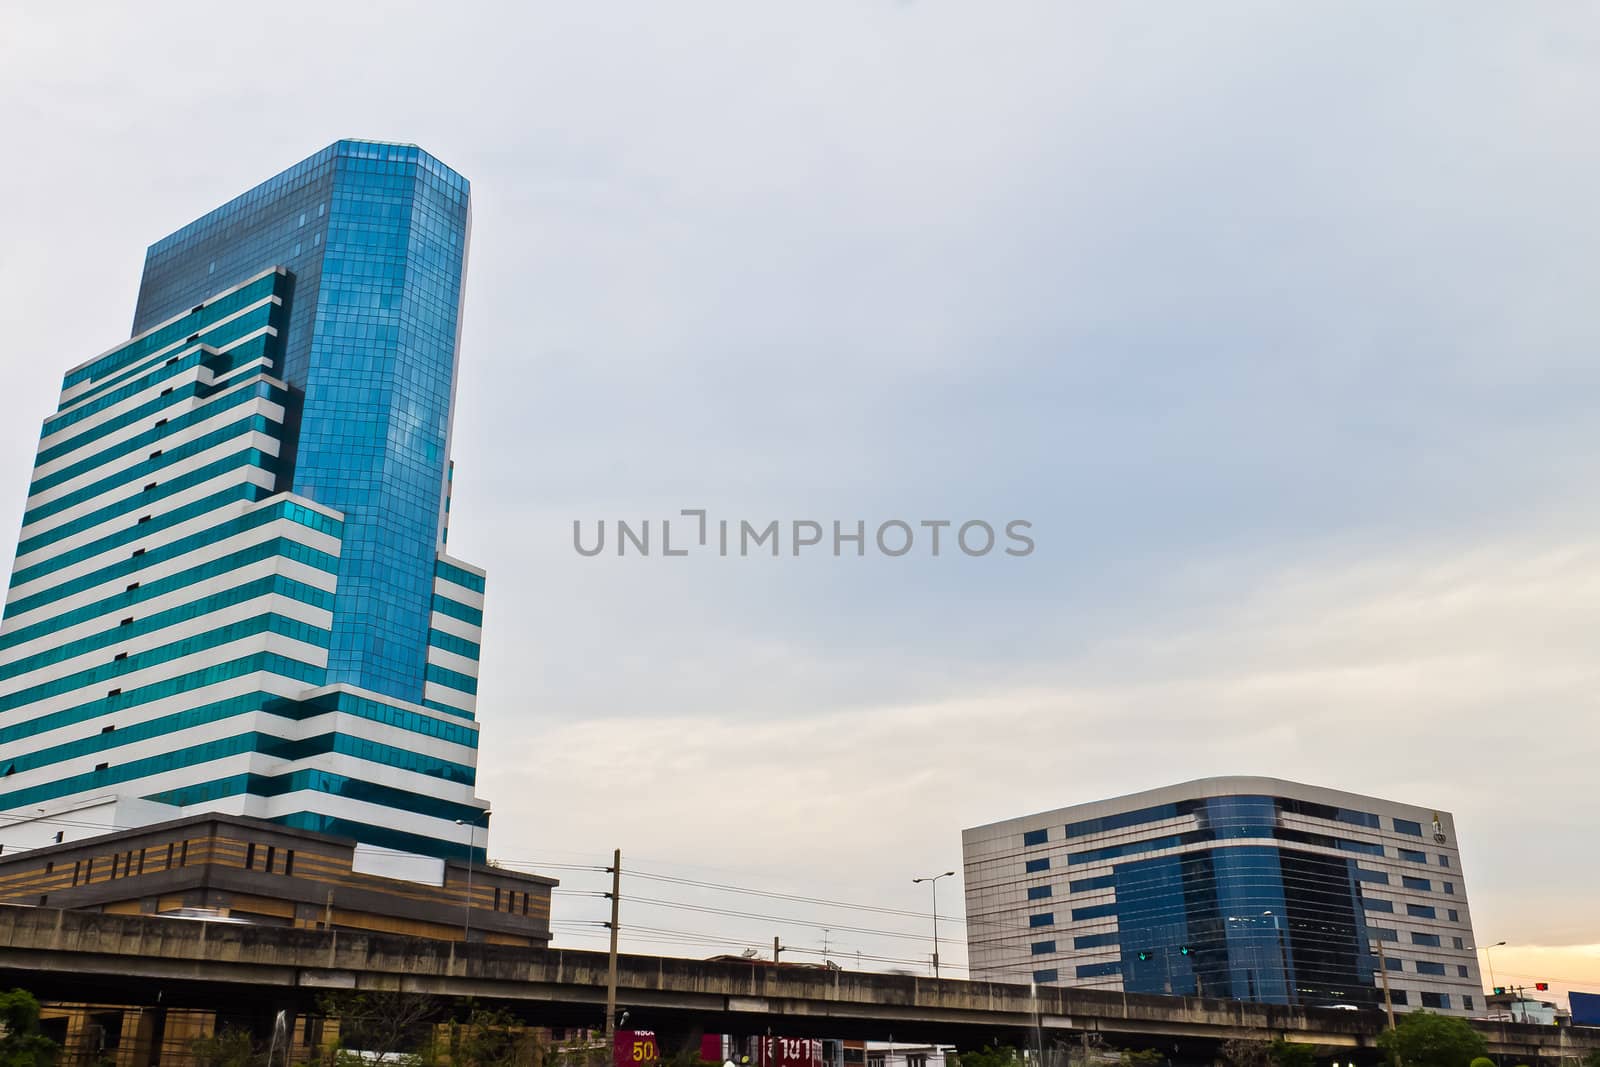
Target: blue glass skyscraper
231 590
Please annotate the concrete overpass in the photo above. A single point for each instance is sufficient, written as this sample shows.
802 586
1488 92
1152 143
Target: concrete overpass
64 955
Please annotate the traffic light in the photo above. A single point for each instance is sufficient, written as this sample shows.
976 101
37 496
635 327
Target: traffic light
1143 955
1541 986
1184 950
1499 990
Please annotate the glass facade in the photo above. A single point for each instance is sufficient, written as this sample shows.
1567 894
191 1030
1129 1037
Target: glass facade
374 237
1230 888
230 591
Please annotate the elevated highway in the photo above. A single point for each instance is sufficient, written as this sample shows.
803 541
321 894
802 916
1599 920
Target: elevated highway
81 956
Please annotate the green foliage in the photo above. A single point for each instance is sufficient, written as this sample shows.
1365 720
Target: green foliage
1484 1061
22 1044
1004 1056
1144 1058
493 1038
1240 1052
385 1027
1292 1054
228 1047
1423 1039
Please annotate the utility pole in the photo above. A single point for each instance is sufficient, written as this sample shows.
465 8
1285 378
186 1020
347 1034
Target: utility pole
1388 1001
776 948
611 971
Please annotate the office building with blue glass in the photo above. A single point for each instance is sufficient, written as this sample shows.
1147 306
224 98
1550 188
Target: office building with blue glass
1236 888
231 591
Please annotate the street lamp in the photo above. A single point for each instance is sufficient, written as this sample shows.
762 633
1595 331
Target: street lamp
1283 956
472 847
1488 956
933 883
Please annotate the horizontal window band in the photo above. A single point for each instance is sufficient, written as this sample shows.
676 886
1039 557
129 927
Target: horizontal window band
438 706
339 785
383 836
456 576
461 683
266 623
250 457
281 547
221 308
266 744
286 509
139 472
228 396
451 643
266 703
101 399
267 662
245 492
457 610
271 585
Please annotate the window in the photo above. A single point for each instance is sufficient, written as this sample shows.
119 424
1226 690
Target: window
1043 918
1035 837
1377 904
1406 826
1094 941
1461 971
917 1060
288 862
102 766
1034 866
1041 948
1429 967
1383 933
1421 911
1466 1001
1398 996
1048 975
1444 861
1099 970
250 856
1436 1000
1411 856
496 898
1094 911
1416 883
272 857
1038 892
1392 964
1085 885
1456 942
108 729
1430 940
1450 888
1454 915
1364 875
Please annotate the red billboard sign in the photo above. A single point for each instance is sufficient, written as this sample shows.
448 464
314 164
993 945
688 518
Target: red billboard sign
634 1048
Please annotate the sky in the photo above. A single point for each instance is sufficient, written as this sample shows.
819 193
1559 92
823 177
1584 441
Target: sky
1277 322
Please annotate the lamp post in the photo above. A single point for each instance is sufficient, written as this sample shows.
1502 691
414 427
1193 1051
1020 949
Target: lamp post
1283 956
472 846
933 883
1488 957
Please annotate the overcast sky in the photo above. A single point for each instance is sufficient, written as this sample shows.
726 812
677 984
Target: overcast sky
1277 321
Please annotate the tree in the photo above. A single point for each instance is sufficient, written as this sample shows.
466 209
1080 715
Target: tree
492 1038
1293 1054
1144 1058
1484 1061
23 1045
1004 1056
228 1047
1241 1052
1423 1039
385 1026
